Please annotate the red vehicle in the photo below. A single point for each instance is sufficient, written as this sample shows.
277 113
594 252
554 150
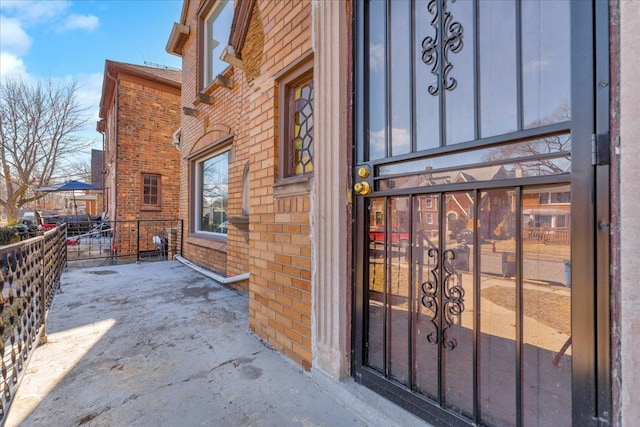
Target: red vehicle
397 236
49 222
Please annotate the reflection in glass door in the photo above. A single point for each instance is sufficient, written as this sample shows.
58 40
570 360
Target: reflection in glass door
480 331
389 287
475 147
546 305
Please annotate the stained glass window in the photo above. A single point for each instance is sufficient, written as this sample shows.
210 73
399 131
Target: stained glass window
303 128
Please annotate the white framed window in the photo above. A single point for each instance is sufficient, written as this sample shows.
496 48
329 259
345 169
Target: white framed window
555 198
429 202
215 37
429 218
211 193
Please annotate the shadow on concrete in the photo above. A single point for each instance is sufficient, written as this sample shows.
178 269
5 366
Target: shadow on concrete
159 344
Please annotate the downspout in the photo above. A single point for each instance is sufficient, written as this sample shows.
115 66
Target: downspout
215 276
103 174
116 134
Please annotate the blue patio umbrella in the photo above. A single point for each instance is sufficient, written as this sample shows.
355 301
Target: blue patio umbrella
72 186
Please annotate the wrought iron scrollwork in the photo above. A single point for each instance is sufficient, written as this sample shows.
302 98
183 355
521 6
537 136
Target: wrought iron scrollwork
430 295
451 300
430 47
435 50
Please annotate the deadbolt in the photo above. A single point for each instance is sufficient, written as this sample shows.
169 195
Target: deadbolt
363 172
363 188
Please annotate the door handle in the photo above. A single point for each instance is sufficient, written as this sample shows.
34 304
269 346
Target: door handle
363 172
363 188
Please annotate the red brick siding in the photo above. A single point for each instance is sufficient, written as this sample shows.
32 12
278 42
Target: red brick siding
148 113
278 255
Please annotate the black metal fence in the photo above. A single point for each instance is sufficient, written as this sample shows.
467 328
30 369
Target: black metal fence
29 276
114 242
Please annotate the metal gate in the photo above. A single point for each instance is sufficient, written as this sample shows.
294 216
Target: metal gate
475 237
112 242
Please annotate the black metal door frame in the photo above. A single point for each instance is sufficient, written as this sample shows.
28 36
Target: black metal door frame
589 179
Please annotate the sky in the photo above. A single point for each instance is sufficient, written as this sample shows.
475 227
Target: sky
71 39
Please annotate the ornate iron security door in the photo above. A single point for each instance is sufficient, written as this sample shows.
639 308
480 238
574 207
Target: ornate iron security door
474 183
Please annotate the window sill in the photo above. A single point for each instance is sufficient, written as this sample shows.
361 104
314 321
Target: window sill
151 208
292 186
240 222
217 243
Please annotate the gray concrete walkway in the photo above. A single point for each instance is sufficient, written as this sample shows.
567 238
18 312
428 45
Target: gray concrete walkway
158 344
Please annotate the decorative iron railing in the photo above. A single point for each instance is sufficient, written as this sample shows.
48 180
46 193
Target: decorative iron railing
112 242
29 276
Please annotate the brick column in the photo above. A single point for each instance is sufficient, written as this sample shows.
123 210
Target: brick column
172 236
330 234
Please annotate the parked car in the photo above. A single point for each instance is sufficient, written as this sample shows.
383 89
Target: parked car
78 224
465 235
49 222
398 236
28 218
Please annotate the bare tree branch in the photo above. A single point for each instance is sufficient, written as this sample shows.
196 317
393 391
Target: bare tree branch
559 145
38 127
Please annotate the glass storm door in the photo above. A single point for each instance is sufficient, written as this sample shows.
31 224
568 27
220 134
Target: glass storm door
474 249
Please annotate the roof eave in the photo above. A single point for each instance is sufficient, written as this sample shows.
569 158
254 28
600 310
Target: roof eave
112 69
177 39
120 67
108 83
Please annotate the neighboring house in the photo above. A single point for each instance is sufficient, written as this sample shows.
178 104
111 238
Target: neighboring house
85 204
139 112
550 209
547 216
308 125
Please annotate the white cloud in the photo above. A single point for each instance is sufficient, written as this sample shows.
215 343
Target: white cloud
535 65
80 22
13 38
377 140
33 12
19 16
11 65
88 95
90 91
400 138
376 57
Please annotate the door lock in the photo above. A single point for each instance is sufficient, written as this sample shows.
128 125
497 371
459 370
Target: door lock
363 172
363 188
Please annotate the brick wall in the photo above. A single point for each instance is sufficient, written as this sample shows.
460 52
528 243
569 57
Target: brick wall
278 252
220 119
148 113
148 116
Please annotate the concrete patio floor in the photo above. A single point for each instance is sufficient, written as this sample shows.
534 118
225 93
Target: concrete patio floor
158 344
